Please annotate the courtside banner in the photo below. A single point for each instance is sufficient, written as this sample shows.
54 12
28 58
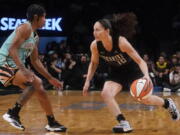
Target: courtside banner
52 24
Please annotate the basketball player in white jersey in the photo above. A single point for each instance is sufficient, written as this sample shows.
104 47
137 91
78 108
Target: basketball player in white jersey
22 43
111 45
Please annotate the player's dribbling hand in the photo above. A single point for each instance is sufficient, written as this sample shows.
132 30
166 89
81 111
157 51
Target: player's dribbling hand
85 88
148 79
55 82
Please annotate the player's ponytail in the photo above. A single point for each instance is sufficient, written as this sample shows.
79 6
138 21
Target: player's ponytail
123 24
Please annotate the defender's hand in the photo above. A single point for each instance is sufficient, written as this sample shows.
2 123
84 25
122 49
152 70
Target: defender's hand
86 88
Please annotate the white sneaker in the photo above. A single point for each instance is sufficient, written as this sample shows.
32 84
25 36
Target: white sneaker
13 120
173 110
55 127
122 127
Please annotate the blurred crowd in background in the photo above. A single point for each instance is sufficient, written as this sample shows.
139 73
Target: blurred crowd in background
71 68
157 38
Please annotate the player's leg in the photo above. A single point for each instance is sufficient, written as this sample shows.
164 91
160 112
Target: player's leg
108 94
41 94
12 116
166 103
110 90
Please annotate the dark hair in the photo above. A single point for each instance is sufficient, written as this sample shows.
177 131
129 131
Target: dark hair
34 9
123 24
105 23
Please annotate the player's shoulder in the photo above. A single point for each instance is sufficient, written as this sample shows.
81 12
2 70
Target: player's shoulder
94 44
25 29
122 39
123 43
25 26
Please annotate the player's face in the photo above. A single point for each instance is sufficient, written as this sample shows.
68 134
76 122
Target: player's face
146 57
161 60
41 21
100 32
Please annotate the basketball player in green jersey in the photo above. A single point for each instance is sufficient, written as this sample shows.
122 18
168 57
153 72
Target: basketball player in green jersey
111 46
21 44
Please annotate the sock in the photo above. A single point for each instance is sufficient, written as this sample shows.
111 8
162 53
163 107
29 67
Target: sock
120 117
50 119
166 103
16 109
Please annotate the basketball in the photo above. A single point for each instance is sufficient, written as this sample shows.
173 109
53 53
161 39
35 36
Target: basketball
141 89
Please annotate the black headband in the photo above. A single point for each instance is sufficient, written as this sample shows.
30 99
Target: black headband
105 23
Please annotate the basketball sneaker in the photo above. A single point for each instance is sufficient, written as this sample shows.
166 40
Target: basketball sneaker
55 127
122 127
173 110
13 120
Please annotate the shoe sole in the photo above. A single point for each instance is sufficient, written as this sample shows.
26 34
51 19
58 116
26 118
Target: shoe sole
55 130
51 130
7 119
122 131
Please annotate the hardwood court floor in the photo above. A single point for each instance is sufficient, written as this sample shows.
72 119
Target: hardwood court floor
89 115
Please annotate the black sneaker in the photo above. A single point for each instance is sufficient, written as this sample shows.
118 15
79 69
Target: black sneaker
173 110
55 127
13 120
122 127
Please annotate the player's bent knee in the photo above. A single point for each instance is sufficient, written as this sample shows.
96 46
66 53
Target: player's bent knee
37 83
105 94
